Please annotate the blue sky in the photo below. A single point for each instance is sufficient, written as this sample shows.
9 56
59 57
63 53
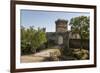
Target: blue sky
45 19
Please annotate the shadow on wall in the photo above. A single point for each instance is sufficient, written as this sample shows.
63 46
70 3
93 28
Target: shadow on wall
73 44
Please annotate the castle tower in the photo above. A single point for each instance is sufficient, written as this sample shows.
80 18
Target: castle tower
61 25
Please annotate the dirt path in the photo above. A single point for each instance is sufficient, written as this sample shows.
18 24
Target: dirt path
31 58
40 56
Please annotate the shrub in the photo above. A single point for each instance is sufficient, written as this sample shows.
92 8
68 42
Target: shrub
80 54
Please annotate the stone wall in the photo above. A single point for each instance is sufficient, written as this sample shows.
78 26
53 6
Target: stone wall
76 43
66 39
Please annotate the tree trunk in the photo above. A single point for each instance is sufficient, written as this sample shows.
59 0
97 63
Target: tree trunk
81 41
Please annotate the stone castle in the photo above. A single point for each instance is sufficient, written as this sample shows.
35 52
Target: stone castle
61 36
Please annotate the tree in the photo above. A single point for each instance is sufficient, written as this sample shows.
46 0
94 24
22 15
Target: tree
80 25
39 39
26 35
31 39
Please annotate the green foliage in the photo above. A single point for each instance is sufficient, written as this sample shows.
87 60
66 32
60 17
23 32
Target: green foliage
39 39
80 25
31 39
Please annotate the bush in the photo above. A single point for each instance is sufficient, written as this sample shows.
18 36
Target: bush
80 54
31 39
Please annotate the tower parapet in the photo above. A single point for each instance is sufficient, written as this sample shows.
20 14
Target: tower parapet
61 25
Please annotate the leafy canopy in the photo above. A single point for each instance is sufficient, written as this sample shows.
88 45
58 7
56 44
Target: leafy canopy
31 38
80 25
